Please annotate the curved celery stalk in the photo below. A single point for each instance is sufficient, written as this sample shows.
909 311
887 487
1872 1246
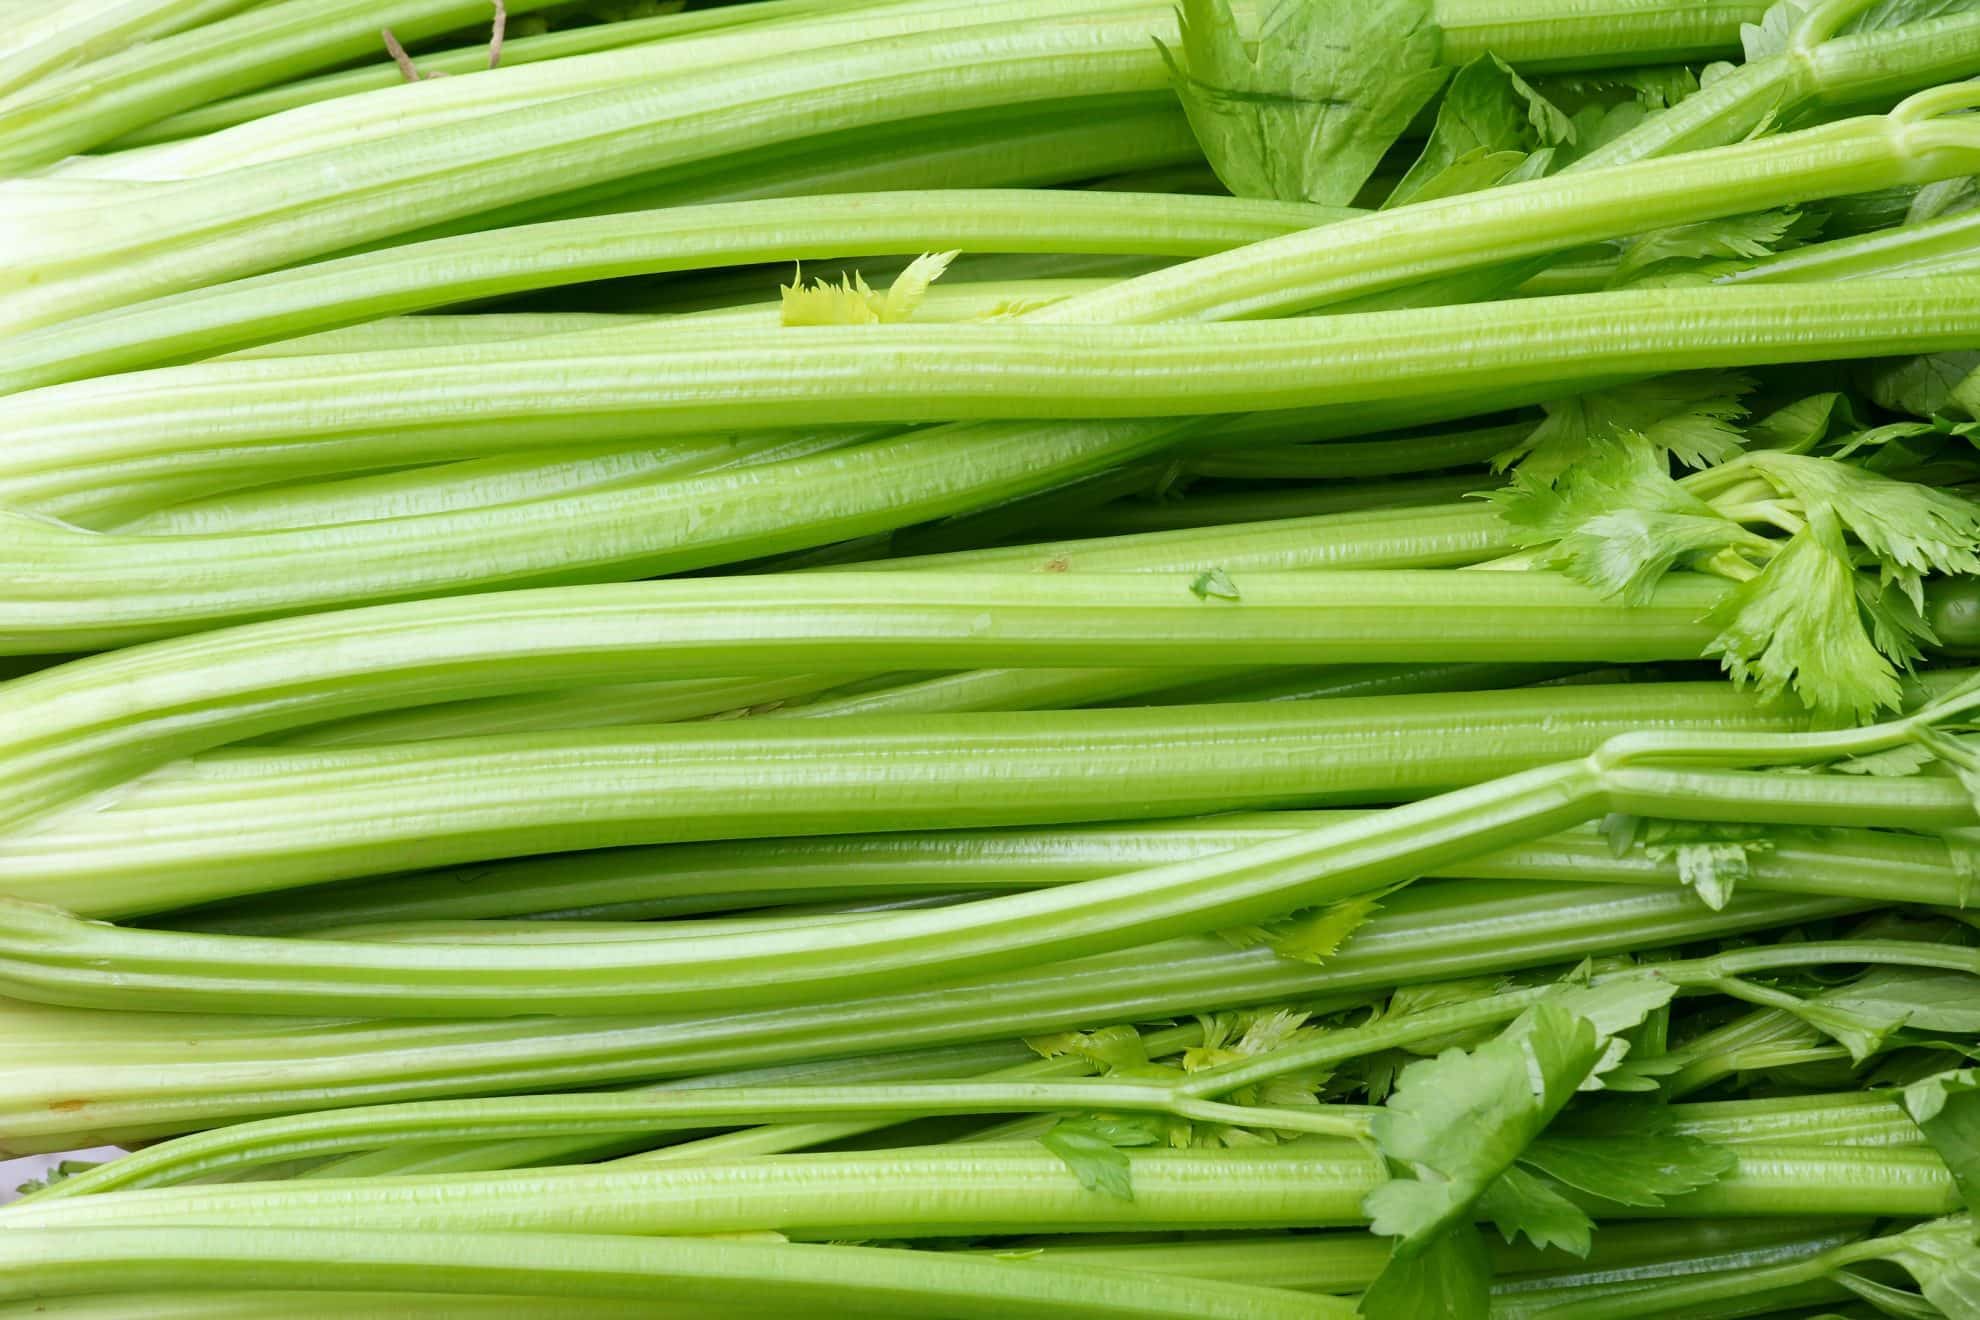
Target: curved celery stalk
558 44
93 723
481 482
732 1277
282 304
64 35
1621 32
179 837
382 117
329 201
80 1077
1425 240
1817 67
1851 1118
660 1111
635 885
952 1191
946 1062
81 107
1945 245
48 956
70 588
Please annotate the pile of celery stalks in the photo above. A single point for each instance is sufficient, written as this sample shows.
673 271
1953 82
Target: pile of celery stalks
1065 658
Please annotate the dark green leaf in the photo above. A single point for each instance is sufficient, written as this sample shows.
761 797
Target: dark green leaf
1518 1202
1450 1279
1947 1108
1943 1255
1927 999
1639 1169
1461 1119
1929 386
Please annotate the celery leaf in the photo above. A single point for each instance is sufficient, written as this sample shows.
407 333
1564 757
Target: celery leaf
1450 1279
1911 529
1459 1120
1932 385
1093 1149
1627 1153
852 302
1943 1255
1617 521
1798 626
1711 859
1308 116
1519 1202
1774 33
1897 13
1689 415
1310 935
1946 1108
1490 123
1741 237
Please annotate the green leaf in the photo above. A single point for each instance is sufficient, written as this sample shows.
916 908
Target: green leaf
1518 1202
1910 528
1943 198
1616 1005
1892 763
1947 1109
1651 87
1490 121
1740 237
1943 1255
1617 520
1230 1037
1897 13
1310 935
1450 1279
1459 1120
1332 85
1932 385
1213 582
1688 415
1637 1169
1773 33
852 302
1111 1047
1798 626
1802 425
1092 1148
1864 1035
1711 858
1927 999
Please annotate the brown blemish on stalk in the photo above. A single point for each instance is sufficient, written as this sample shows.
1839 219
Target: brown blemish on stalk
1057 566
67 1106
